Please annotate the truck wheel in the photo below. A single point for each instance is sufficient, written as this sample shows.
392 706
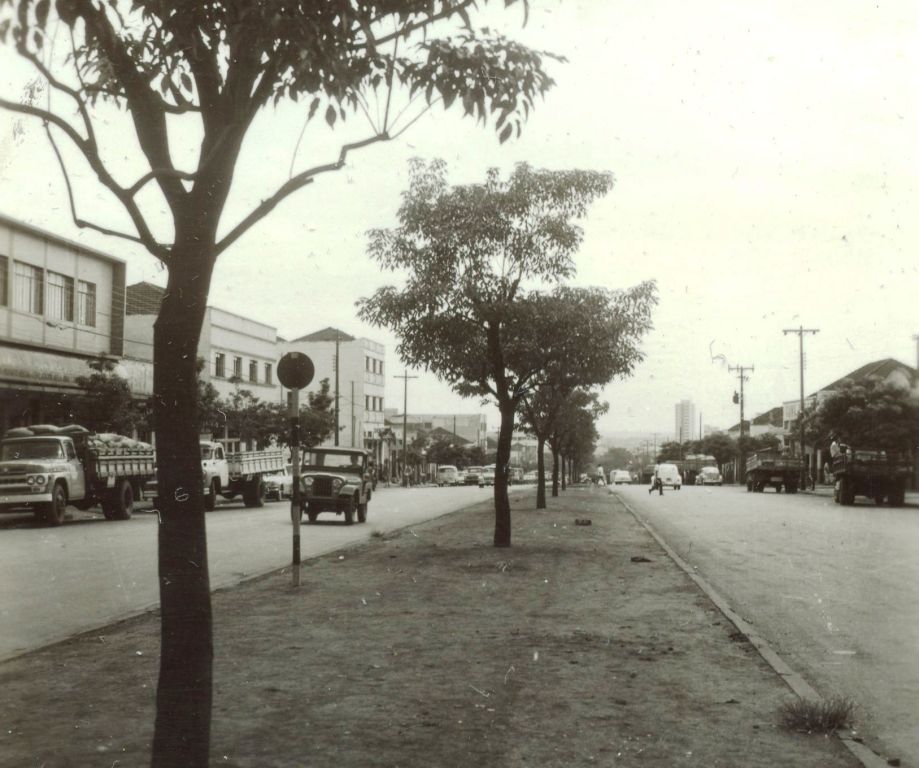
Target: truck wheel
349 511
53 512
210 498
310 514
897 496
791 489
879 499
846 492
749 485
120 502
778 487
362 512
254 493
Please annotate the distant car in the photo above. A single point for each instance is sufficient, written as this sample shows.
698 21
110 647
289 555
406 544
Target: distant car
280 485
709 476
620 477
447 474
670 476
487 477
530 477
472 475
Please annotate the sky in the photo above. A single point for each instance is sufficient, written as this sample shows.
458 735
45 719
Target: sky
765 158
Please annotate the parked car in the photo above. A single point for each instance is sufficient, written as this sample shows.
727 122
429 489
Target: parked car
530 477
279 485
472 475
486 477
620 477
709 476
447 474
670 476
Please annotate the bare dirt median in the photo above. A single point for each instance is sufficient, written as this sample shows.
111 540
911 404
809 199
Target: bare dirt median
431 648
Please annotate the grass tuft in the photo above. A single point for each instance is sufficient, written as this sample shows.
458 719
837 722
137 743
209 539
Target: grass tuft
822 716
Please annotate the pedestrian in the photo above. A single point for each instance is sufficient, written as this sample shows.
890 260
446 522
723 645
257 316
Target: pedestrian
834 446
656 482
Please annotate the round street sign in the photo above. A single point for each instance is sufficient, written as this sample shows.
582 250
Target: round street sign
296 370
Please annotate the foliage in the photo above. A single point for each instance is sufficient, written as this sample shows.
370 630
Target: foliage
615 458
873 415
467 251
317 417
108 405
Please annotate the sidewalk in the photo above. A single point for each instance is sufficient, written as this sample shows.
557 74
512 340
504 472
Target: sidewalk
581 645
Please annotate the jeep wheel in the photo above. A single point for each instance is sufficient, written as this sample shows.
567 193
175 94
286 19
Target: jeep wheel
53 512
210 498
310 514
362 512
349 511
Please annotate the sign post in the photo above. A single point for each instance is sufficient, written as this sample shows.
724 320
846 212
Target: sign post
295 371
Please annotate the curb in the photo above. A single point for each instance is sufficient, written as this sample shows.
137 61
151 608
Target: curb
864 754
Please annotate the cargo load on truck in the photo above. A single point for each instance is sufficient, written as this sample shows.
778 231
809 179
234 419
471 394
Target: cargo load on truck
45 467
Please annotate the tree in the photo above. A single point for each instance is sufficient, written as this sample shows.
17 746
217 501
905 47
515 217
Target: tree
581 337
108 405
616 458
317 418
574 432
467 251
872 414
174 68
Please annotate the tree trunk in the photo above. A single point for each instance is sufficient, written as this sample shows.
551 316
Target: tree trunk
502 502
554 472
184 691
563 463
540 474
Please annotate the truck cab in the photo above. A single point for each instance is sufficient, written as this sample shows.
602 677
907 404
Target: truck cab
42 473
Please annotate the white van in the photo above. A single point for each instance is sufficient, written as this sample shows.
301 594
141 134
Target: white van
447 474
670 476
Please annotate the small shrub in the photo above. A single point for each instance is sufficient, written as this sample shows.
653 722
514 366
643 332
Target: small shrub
822 716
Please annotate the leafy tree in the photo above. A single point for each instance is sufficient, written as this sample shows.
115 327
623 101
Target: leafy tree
443 451
173 68
466 251
581 337
574 433
108 405
669 450
720 445
872 414
317 418
615 458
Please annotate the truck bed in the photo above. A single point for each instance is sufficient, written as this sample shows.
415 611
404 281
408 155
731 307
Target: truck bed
774 462
255 462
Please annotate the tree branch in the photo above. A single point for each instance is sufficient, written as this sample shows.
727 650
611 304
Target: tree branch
82 223
291 186
156 173
409 28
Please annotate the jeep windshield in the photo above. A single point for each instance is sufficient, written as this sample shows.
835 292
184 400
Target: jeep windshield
339 462
14 450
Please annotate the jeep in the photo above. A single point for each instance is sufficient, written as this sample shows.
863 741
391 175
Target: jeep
335 480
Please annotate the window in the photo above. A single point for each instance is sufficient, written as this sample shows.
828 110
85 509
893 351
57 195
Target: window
4 279
268 374
380 366
60 297
28 294
253 371
238 367
220 365
366 363
86 303
366 402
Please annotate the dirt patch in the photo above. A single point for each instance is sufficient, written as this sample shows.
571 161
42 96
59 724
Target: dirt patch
432 648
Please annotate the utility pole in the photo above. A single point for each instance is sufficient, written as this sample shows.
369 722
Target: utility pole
801 330
337 338
405 377
742 377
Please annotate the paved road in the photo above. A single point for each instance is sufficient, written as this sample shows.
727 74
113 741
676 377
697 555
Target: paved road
55 582
834 589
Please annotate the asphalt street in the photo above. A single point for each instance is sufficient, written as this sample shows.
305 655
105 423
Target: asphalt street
834 589
56 582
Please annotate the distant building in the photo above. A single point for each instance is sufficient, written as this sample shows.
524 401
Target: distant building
471 428
684 421
238 353
359 365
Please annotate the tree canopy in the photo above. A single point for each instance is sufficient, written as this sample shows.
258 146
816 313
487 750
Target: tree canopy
468 252
872 414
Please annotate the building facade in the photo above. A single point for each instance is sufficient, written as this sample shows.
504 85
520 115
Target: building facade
61 306
471 428
238 353
685 421
356 370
